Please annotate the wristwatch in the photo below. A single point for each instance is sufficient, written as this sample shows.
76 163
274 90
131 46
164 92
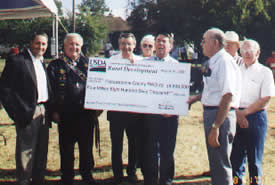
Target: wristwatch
214 126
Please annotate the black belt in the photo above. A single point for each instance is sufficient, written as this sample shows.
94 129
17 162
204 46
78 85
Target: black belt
41 103
205 107
242 108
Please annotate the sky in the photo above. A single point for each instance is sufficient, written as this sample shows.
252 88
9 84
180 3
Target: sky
116 6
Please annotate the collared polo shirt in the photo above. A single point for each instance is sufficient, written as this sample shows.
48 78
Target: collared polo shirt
257 82
223 80
42 87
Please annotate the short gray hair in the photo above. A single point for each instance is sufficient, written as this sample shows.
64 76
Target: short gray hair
147 37
76 35
255 45
219 35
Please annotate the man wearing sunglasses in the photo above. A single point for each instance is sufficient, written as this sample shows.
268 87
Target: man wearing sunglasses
147 46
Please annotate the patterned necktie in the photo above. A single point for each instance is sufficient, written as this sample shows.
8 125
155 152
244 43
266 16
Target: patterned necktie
159 59
206 71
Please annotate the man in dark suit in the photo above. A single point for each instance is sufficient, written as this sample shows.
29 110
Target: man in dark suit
24 90
68 77
160 131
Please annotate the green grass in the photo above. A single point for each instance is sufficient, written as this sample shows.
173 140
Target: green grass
2 64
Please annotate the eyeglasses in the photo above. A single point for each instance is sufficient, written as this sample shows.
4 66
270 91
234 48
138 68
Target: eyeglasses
147 45
250 51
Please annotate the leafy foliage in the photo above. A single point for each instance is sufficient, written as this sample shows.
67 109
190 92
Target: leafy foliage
189 19
92 29
88 23
96 7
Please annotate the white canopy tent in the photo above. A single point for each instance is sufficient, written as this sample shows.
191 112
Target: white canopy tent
27 9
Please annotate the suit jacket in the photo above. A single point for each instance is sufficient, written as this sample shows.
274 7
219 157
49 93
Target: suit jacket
18 88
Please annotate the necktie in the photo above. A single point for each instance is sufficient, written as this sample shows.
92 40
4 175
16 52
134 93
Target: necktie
159 59
206 71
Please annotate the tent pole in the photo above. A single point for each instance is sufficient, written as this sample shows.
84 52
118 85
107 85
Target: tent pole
73 21
56 35
54 39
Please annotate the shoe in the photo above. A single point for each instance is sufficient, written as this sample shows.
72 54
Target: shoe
24 182
132 179
117 180
90 181
206 174
66 182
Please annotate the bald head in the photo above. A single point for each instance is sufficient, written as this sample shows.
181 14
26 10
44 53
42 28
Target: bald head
213 41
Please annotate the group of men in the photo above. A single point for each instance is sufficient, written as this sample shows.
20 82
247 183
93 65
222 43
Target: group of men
34 96
151 137
235 95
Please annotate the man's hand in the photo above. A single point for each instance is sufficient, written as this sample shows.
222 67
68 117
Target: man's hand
193 99
213 138
56 117
98 112
167 115
241 119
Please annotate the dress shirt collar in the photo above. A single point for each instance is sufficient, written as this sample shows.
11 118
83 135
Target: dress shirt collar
162 59
41 59
214 58
252 66
135 57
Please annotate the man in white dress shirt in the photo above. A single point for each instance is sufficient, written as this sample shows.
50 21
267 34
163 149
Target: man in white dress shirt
24 91
257 89
124 121
219 99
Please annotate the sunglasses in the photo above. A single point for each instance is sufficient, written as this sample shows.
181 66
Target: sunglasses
147 45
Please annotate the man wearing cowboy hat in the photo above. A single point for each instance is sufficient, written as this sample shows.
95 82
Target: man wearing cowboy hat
232 45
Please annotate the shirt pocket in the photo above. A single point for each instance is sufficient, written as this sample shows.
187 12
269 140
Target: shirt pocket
253 88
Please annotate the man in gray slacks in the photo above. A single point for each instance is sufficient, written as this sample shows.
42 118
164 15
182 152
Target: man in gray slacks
220 97
24 92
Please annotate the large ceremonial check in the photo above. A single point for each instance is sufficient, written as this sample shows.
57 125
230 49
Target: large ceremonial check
143 87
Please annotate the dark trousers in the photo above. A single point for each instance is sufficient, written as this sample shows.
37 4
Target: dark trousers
32 149
159 140
249 143
76 128
120 122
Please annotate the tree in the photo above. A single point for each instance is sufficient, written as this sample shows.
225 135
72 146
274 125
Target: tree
96 7
142 19
59 7
93 30
189 19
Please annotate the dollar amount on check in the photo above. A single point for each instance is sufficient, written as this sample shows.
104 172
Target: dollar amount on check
143 87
